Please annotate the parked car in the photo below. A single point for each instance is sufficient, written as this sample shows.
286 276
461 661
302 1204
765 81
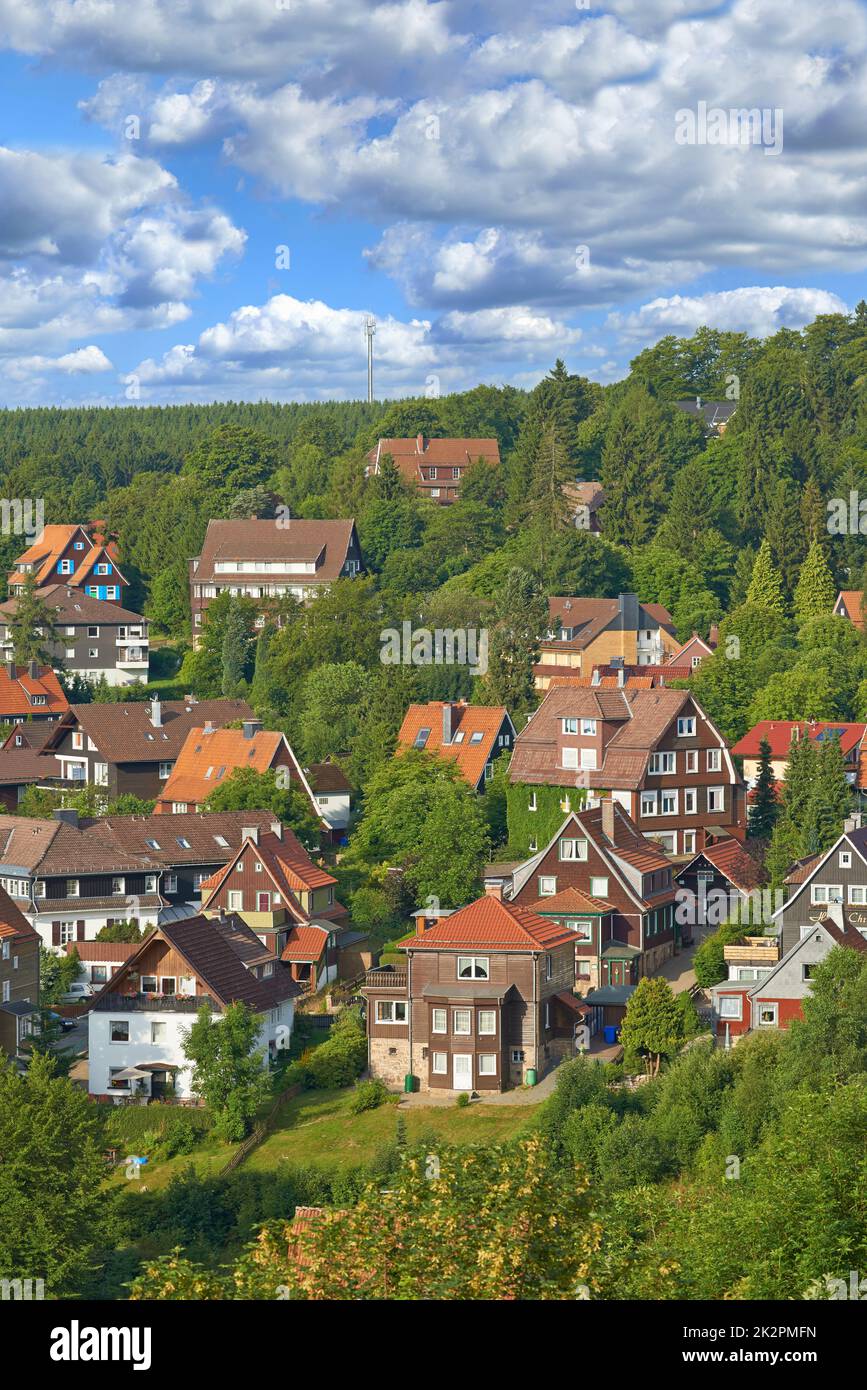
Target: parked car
77 993
66 1025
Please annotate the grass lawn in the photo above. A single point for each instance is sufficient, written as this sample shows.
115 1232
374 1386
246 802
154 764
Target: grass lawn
318 1129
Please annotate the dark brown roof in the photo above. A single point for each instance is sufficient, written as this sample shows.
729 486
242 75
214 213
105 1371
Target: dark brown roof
75 606
125 733
35 734
326 542
20 765
327 777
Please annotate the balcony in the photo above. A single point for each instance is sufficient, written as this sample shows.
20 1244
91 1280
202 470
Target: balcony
386 977
753 950
154 1003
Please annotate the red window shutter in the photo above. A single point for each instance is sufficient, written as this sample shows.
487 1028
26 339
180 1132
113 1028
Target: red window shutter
55 933
79 931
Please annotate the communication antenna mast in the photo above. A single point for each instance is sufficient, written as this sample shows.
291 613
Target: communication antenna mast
369 330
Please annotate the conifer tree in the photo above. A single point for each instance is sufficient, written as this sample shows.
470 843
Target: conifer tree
815 590
765 808
830 798
766 586
633 470
785 848
31 627
799 777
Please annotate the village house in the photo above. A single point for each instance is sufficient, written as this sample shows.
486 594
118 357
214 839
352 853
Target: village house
137 1022
839 876
472 736
695 650
19 977
585 500
79 557
655 752
93 638
609 885
781 982
588 632
435 467
100 960
781 732
72 877
714 415
722 879
30 692
849 604
485 1001
132 747
273 885
271 559
20 763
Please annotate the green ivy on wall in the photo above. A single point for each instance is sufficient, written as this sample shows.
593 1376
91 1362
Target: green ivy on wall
541 825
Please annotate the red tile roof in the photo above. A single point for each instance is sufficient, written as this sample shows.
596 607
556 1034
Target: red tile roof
571 900
14 925
778 733
467 720
491 925
305 943
209 757
739 867
850 601
16 695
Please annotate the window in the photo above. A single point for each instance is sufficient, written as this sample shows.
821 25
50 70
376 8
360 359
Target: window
588 727
716 798
808 970
667 841
517 1055
686 726
93 653
690 802
857 896
421 738
456 472
159 1032
547 886
462 1022
72 888
179 808
168 984
582 927
65 567
477 736
570 726
487 1023
152 844
439 1022
165 771
100 774
150 883
70 653
391 1011
767 1015
827 893
714 759
845 859
459 736
93 632
648 803
691 756
668 803
731 1006
487 1063
67 932
236 900
473 967
549 967
689 842
661 763
118 885
183 841
573 849
77 739
599 887
439 1063
118 1030
588 759
113 1083
570 758
148 984
170 883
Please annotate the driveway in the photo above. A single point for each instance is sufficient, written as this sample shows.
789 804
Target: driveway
679 970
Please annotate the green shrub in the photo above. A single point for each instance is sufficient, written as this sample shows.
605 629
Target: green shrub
368 1095
462 1100
337 1062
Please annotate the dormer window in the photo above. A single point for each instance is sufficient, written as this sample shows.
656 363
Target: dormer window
477 736
421 738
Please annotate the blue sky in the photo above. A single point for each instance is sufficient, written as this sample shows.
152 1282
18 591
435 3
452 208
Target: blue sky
439 165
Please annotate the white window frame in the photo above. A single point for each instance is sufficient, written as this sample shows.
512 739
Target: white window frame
689 842
686 726
771 1004
480 967
731 1006
714 793
570 759
691 755
236 900
439 1020
577 851
483 1060
393 1005
462 1032
648 804
588 728
439 1063
670 796
657 766
487 1032
547 885
714 760
845 858
690 802
595 890
820 894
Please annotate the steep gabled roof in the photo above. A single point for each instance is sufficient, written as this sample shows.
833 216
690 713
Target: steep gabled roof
126 733
471 755
305 942
732 860
18 693
209 756
491 925
778 733
286 862
14 926
302 541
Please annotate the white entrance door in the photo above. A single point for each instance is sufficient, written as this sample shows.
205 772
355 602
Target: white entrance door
462 1071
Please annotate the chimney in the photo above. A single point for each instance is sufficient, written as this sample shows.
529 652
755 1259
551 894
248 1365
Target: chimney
276 828
494 890
596 678
251 727
209 726
250 832
447 721
11 668
419 443
713 635
33 670
608 818
853 822
156 714
628 606
834 913
67 815
621 676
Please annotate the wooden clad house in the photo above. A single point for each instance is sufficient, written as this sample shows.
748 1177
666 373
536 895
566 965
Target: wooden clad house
485 1001
19 977
77 556
655 752
93 638
839 876
610 886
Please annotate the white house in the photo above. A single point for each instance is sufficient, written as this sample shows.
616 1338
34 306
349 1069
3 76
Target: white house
138 1021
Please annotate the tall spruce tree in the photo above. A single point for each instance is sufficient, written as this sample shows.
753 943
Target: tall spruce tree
765 808
633 470
31 627
815 590
766 586
830 798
